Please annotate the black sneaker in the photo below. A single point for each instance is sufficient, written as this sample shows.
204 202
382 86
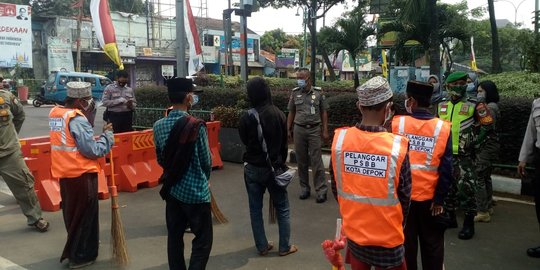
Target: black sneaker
534 252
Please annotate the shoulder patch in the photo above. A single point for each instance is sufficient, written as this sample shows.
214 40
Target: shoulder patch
317 88
483 114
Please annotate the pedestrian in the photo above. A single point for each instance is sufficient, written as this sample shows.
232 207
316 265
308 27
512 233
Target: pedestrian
258 174
119 99
371 180
306 122
430 153
472 84
530 154
182 150
13 169
438 92
487 150
74 154
462 112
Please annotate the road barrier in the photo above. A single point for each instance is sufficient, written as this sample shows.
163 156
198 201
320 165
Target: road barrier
135 164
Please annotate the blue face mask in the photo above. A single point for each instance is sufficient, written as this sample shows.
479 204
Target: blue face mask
195 100
301 83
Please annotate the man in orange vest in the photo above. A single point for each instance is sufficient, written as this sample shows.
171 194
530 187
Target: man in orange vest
430 152
372 182
74 154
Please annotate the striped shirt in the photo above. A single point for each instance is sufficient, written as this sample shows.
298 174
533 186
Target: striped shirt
193 187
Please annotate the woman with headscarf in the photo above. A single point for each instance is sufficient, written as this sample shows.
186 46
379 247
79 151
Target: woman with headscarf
472 84
487 150
438 92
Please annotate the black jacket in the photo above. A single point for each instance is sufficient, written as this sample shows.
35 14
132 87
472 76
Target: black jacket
274 125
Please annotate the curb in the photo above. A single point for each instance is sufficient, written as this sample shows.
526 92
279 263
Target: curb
501 183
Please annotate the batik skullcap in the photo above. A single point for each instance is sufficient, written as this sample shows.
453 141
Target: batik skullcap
375 91
79 89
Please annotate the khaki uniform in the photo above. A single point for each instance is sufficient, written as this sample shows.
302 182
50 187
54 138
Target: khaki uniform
308 107
12 167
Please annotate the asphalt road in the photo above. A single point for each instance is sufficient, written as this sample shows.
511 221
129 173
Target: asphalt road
500 244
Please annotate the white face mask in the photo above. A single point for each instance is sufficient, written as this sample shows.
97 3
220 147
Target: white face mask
407 107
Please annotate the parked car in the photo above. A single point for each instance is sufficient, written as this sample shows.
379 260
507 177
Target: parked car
55 87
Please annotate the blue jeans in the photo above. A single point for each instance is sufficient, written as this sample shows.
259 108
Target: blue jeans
257 180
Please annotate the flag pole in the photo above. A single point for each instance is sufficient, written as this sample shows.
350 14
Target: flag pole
180 40
79 23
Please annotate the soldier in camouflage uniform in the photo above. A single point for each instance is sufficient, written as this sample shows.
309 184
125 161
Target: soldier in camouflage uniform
487 148
12 167
462 113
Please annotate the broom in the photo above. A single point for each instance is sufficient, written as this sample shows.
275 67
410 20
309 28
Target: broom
215 210
118 239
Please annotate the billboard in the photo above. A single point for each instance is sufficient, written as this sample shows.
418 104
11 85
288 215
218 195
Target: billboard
288 58
59 56
15 35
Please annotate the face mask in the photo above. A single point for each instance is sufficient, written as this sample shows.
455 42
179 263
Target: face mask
194 101
407 107
457 91
389 113
89 111
122 84
481 95
301 83
471 88
435 87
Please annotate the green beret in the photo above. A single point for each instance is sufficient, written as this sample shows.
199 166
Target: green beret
456 76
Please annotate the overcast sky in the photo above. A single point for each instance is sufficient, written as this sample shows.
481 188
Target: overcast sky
269 19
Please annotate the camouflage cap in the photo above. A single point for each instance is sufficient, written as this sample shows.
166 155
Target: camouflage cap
374 91
79 89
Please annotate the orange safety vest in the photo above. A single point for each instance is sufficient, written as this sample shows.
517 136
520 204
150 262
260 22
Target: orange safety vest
366 167
67 162
427 143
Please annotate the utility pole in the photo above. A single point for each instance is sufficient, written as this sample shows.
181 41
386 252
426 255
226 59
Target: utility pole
228 40
180 40
243 42
147 23
536 19
313 17
79 23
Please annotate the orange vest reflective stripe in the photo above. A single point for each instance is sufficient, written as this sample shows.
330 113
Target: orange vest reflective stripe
366 168
427 143
67 162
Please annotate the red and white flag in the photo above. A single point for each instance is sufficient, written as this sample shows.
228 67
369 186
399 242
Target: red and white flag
101 17
195 50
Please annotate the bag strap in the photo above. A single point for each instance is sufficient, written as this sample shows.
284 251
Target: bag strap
260 134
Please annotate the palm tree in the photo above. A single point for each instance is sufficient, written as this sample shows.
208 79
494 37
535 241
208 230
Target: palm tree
351 33
415 20
496 50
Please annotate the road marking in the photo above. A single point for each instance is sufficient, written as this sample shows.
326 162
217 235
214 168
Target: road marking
9 265
512 200
4 188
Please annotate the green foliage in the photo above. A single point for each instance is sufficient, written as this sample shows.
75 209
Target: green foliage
516 84
152 97
228 116
515 111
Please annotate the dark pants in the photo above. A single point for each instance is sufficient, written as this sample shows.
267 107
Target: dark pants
421 227
199 218
121 121
536 183
81 217
357 264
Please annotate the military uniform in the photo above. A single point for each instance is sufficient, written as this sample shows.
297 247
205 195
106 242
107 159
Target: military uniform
308 107
12 167
463 190
487 151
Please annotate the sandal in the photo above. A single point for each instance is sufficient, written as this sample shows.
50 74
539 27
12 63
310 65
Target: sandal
269 247
41 225
291 250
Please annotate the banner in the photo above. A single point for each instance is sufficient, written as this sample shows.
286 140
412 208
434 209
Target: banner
195 51
101 17
15 35
59 56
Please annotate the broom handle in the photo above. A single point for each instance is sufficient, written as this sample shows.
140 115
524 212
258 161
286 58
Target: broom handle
114 190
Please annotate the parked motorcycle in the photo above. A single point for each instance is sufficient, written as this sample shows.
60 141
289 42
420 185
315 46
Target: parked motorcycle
41 100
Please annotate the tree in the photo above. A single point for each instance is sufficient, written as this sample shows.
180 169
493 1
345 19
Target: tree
496 51
327 37
317 9
415 22
350 33
272 41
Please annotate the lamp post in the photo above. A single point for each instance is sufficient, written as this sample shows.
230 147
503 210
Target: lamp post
516 8
304 23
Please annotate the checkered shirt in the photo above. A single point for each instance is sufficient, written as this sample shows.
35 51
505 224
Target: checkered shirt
193 188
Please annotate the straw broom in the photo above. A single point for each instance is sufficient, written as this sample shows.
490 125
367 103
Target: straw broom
215 210
118 239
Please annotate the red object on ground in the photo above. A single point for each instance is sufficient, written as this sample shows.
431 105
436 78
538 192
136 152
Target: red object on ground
213 141
22 92
331 251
